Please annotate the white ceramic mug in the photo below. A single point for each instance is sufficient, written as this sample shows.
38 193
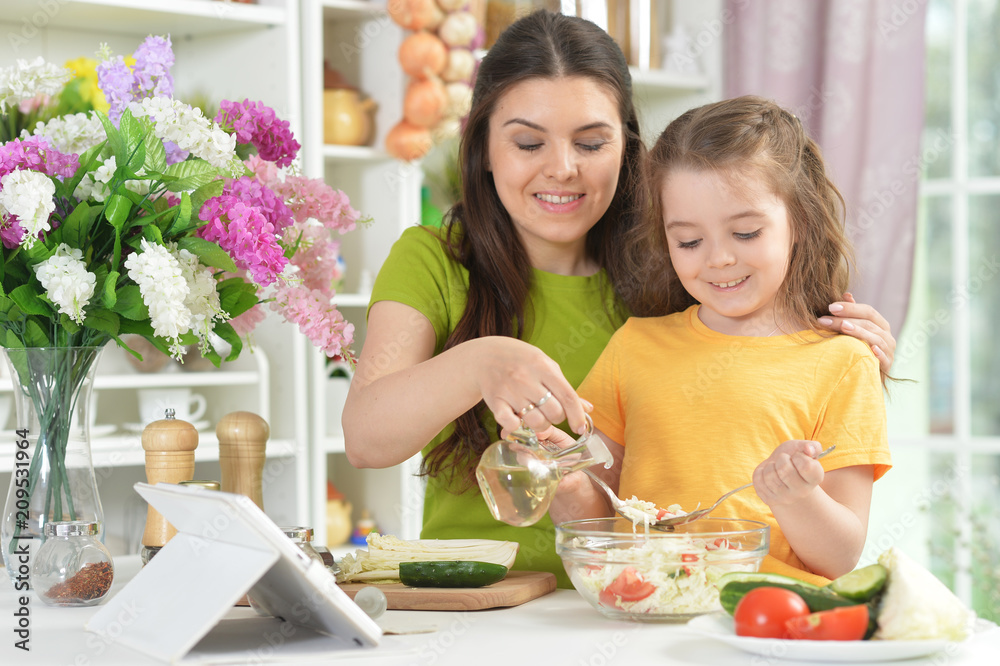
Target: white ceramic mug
187 406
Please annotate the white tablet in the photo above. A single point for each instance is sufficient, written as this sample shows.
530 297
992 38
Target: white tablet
226 547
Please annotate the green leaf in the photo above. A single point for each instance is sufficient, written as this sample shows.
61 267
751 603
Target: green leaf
204 193
30 302
152 233
156 155
103 320
115 139
129 303
183 214
11 341
68 324
109 289
35 335
228 333
207 252
76 226
190 175
116 209
134 134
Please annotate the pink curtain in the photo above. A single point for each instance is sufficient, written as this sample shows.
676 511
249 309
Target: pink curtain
853 72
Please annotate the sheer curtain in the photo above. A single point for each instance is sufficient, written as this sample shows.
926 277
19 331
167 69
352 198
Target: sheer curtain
853 72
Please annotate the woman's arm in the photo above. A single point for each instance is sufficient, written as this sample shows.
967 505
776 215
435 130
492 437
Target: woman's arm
864 323
402 395
824 516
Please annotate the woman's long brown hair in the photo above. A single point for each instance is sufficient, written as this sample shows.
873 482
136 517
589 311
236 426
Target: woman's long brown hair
479 231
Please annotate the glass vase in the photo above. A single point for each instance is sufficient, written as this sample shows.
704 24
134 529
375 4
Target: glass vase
52 479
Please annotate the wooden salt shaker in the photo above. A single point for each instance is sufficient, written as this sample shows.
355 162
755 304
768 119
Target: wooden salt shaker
242 440
169 444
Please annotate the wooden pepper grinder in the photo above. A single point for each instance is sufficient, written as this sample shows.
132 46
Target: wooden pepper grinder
242 440
169 444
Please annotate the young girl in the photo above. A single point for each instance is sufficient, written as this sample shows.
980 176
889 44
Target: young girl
741 373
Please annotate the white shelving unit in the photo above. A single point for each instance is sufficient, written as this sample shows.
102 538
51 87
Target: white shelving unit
222 51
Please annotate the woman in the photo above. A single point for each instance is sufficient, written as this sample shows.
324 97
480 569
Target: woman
499 317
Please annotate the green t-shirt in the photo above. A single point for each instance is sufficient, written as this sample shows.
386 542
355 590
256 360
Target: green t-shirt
570 324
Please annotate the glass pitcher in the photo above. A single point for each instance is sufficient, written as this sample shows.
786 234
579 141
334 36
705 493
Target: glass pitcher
519 474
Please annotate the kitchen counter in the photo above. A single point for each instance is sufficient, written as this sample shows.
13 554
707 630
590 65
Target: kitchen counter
557 629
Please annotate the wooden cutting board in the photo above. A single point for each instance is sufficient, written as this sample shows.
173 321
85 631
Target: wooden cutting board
517 588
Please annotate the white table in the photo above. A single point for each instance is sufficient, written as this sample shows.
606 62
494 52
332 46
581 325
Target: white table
558 629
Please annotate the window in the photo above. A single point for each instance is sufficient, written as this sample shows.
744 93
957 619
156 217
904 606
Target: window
940 503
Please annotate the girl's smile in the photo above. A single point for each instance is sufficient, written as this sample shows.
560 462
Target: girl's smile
730 244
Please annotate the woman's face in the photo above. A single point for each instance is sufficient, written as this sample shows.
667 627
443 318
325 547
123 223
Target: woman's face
555 150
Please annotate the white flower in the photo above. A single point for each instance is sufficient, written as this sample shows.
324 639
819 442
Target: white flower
203 297
190 130
164 291
69 134
29 196
95 184
66 281
24 80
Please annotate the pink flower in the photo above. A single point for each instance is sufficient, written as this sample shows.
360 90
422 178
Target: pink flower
256 124
34 154
317 318
312 198
244 232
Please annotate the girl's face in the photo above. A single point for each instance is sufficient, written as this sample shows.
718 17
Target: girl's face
555 150
730 248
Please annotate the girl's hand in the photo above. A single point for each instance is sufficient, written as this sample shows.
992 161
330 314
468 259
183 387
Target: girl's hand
790 473
864 323
519 383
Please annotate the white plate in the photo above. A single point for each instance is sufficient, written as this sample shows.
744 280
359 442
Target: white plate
720 626
138 427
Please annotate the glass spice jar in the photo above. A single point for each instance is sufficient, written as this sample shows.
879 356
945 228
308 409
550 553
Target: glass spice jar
302 537
72 567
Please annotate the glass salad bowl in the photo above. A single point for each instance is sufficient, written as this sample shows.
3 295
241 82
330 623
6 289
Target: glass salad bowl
657 576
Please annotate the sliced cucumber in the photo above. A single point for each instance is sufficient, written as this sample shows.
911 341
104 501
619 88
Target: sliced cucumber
450 573
734 585
861 584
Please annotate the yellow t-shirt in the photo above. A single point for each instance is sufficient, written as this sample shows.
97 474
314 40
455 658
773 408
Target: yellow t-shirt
698 410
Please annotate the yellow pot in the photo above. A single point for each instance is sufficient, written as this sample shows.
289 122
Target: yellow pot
338 522
347 119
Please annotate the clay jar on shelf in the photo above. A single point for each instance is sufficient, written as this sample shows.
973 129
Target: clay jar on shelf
347 118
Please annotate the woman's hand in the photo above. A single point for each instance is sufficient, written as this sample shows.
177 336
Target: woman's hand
790 473
864 323
519 383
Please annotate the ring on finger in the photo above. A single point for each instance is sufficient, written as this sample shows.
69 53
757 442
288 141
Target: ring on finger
527 409
545 399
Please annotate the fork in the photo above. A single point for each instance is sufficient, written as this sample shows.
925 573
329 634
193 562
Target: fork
669 523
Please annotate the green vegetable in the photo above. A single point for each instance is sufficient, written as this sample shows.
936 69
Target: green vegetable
732 586
450 574
380 561
862 584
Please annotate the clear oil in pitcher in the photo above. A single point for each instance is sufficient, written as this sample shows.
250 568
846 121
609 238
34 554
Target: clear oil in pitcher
518 495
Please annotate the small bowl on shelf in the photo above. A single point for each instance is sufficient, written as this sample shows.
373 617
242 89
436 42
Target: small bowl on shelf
657 576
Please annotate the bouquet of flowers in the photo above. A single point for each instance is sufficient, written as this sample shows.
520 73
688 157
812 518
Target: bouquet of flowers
144 220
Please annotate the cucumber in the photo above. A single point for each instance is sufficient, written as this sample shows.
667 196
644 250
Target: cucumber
861 584
450 573
732 586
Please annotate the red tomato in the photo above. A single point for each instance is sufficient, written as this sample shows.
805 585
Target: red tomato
629 586
847 623
763 612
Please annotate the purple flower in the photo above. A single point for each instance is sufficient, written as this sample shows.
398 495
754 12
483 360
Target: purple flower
149 77
11 232
256 124
151 72
243 231
34 154
115 79
251 191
